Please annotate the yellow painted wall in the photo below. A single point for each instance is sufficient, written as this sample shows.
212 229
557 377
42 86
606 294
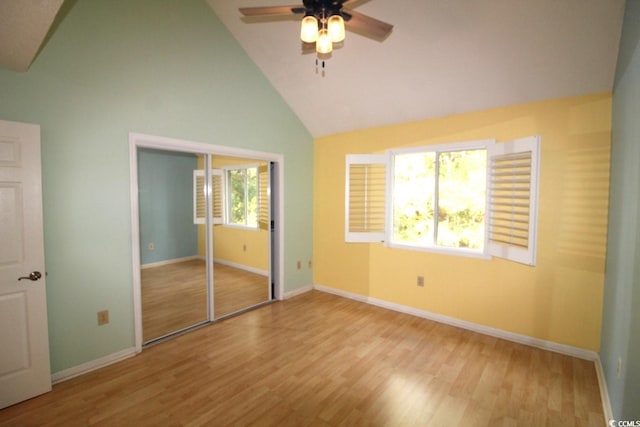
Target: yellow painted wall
560 299
249 248
228 244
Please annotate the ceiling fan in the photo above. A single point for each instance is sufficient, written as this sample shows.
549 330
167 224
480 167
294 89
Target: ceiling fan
324 22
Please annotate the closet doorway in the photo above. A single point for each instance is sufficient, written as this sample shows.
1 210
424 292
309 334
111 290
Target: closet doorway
205 236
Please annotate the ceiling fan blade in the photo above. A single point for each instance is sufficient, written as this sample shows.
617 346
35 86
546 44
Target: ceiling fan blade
355 2
366 25
272 10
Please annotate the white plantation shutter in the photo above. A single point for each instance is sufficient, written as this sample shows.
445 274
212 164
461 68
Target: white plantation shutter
263 196
200 196
365 198
217 206
513 199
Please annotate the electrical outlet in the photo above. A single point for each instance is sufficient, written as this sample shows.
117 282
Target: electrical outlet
299 265
244 248
420 281
103 317
151 246
310 264
619 367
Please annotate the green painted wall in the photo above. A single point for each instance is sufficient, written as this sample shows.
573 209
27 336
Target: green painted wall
621 307
165 205
162 67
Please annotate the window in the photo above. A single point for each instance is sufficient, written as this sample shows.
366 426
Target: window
475 198
242 196
438 198
249 196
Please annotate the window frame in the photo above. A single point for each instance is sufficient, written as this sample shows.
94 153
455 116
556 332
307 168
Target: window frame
484 144
227 196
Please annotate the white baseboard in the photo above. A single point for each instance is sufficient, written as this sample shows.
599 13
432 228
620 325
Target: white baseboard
604 391
475 327
341 293
241 267
296 292
67 374
168 261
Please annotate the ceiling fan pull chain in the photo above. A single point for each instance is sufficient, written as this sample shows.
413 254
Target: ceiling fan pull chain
317 64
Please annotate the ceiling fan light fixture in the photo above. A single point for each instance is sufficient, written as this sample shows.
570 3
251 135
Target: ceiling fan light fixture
324 43
335 25
323 23
309 29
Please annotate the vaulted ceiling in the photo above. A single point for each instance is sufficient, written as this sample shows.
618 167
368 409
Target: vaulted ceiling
443 57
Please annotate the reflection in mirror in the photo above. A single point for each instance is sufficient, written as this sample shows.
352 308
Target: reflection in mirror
240 234
173 274
237 289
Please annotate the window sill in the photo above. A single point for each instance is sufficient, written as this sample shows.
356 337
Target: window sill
467 253
242 227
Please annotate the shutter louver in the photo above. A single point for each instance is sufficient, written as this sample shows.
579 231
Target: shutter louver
513 177
263 197
217 205
365 198
200 196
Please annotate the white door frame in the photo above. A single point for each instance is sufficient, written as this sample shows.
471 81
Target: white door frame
139 140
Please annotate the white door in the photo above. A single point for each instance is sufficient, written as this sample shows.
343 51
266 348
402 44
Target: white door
24 340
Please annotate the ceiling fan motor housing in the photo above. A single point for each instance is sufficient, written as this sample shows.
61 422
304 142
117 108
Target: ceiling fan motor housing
322 9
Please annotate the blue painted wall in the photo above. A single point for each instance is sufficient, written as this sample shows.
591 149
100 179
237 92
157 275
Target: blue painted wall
621 307
159 67
165 184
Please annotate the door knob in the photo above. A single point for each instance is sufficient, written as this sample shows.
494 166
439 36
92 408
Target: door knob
34 275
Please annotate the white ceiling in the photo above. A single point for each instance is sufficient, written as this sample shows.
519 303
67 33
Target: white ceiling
443 57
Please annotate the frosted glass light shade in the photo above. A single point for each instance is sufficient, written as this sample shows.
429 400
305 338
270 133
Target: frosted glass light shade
324 43
335 25
309 29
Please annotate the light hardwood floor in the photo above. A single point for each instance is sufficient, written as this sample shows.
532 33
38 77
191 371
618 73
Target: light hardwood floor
174 296
236 289
322 360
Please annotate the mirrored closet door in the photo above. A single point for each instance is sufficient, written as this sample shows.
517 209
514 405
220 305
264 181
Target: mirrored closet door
241 234
174 285
205 238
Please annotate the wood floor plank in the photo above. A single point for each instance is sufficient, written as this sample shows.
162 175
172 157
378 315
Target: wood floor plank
322 360
174 296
